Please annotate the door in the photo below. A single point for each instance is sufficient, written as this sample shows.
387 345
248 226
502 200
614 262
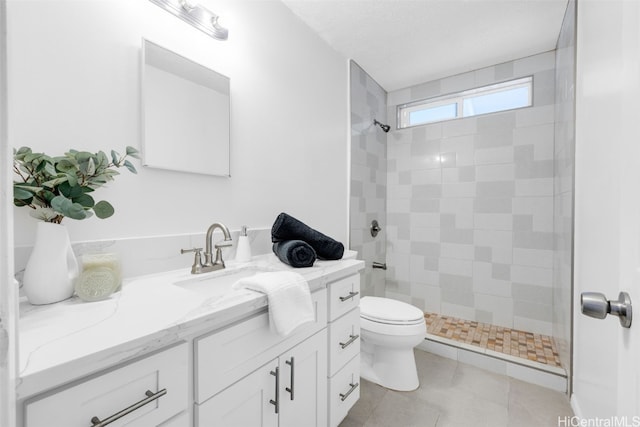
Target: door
606 381
244 403
303 388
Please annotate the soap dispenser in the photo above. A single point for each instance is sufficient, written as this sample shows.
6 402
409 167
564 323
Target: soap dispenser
243 251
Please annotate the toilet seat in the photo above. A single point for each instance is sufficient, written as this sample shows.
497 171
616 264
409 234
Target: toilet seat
390 312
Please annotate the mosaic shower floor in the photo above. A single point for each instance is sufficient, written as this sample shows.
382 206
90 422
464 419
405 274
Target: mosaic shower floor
535 347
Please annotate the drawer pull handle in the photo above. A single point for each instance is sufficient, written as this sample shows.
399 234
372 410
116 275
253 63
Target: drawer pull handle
276 402
151 396
291 363
353 386
352 338
348 297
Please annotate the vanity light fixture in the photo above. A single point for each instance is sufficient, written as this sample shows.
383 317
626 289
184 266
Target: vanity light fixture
196 15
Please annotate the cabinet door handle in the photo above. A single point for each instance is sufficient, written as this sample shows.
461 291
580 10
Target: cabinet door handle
291 363
276 402
352 339
348 297
151 396
353 386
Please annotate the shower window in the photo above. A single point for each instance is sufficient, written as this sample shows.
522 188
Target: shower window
483 100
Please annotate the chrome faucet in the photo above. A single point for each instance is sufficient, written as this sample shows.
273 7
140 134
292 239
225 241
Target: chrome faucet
209 264
218 263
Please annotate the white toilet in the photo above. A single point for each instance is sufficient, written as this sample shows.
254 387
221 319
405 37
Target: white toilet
389 330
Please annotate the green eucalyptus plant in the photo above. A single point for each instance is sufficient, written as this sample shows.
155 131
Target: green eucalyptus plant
59 187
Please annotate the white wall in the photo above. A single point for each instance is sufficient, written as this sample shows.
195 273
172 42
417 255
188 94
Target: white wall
74 83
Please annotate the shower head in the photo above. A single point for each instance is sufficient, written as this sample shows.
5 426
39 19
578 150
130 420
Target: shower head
382 126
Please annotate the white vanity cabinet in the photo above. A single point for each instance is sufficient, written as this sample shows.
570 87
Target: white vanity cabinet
343 370
147 392
289 391
242 381
246 375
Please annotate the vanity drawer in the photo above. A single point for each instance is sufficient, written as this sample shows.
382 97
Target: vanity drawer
344 391
229 354
344 340
344 295
160 379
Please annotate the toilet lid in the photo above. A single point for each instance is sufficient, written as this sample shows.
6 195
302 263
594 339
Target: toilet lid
386 310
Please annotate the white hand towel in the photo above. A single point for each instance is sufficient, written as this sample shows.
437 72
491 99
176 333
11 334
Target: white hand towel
290 304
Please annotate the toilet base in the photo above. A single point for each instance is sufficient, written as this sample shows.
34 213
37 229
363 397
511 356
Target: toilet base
391 368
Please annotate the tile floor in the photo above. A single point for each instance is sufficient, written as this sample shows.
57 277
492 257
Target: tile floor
453 394
536 347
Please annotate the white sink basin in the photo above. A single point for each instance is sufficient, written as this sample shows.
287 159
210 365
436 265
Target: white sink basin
218 283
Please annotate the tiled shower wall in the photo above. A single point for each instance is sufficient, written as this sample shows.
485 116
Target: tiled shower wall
470 204
563 188
368 176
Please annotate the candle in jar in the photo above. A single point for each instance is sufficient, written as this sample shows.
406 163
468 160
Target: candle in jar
101 276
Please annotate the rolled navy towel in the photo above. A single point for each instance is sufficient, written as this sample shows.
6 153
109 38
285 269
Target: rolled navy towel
287 227
296 253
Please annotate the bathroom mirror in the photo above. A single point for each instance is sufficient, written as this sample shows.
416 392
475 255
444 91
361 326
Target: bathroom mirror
185 114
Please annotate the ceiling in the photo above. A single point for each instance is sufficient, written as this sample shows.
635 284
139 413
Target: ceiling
401 43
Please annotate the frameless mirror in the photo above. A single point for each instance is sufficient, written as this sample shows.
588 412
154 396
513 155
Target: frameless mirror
185 112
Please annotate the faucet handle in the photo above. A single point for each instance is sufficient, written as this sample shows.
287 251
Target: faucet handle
186 251
223 244
196 268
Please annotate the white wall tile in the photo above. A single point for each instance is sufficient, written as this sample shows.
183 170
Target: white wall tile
456 310
458 251
532 275
458 189
463 145
535 116
533 257
456 266
502 309
534 187
493 238
425 234
459 127
502 255
493 221
458 83
399 205
543 223
494 155
432 297
533 205
428 176
500 172
424 219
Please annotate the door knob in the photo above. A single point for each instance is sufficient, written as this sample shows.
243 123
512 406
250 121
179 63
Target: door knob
595 304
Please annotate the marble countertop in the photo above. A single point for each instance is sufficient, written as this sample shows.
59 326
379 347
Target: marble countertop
62 342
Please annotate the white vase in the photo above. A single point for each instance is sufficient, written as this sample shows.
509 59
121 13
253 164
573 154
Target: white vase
52 267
